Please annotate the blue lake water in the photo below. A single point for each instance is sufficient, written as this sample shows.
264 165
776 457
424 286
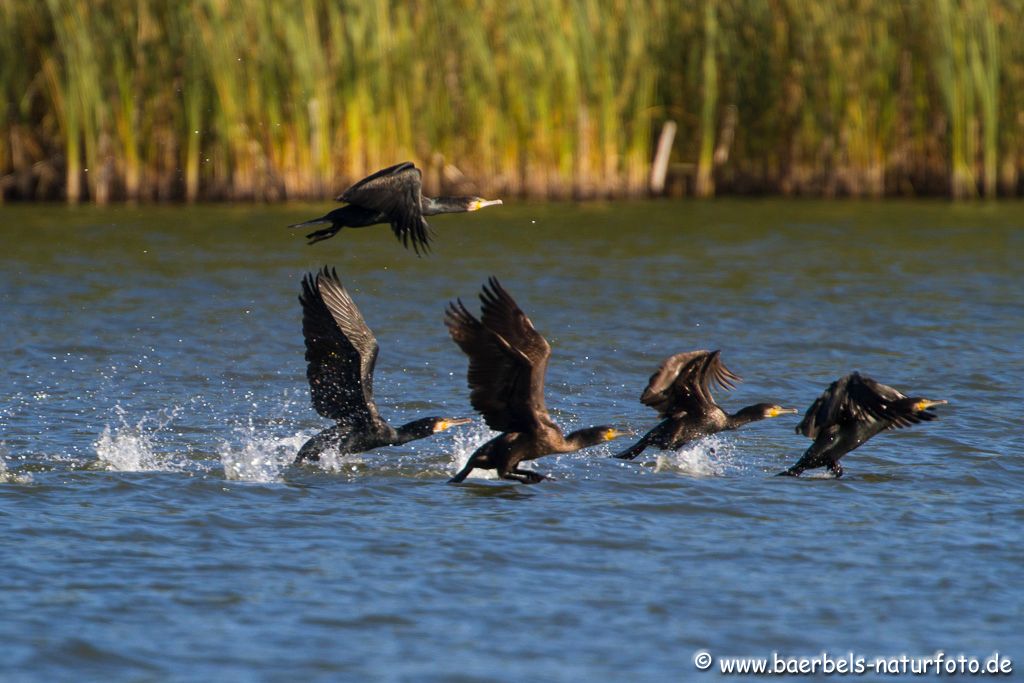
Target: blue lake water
153 394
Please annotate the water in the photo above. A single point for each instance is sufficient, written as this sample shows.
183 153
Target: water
154 393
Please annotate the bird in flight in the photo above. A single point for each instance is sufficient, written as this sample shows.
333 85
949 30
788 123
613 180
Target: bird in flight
341 353
393 195
853 409
681 393
508 360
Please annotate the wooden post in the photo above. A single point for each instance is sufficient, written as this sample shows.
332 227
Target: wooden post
659 167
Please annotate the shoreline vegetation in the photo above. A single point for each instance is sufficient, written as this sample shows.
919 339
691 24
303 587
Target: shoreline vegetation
111 100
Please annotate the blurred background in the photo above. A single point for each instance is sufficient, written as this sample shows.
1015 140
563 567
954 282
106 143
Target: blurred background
109 100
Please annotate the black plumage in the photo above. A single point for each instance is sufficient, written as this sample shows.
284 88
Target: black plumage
392 195
341 353
508 360
853 409
681 393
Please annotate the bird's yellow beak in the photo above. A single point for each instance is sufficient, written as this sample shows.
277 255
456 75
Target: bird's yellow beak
610 434
925 404
450 422
481 203
776 411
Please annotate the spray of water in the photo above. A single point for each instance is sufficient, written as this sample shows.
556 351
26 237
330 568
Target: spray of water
258 457
9 477
465 441
336 462
710 457
127 447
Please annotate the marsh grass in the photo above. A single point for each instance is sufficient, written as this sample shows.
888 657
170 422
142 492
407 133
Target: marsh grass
247 99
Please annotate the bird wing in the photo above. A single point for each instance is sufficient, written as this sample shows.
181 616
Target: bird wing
885 403
396 192
825 410
341 351
683 383
855 398
508 360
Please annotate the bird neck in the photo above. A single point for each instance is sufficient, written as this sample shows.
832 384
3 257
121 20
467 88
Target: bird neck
406 433
432 206
584 438
744 416
411 431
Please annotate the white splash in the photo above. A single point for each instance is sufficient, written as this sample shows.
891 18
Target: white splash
130 448
465 441
259 458
709 457
8 477
334 461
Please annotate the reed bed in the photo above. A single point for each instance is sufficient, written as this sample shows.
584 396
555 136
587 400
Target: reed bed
104 100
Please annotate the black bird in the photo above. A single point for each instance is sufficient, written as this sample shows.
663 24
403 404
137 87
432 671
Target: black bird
508 359
852 410
341 352
681 393
393 195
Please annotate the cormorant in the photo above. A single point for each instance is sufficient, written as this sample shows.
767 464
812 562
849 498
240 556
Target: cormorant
508 359
681 393
341 352
852 410
392 195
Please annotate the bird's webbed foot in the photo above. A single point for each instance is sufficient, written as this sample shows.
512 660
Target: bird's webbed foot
836 469
318 235
532 477
523 476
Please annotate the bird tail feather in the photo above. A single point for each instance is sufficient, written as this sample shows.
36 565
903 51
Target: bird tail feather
315 221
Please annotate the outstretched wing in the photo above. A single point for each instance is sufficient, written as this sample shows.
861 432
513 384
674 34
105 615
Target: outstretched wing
855 398
826 409
341 351
396 192
508 360
683 383
885 403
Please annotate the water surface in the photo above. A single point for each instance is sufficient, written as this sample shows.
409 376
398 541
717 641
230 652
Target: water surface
154 392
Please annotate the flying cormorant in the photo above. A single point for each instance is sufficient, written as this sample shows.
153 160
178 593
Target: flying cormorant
341 352
392 195
508 359
681 393
852 410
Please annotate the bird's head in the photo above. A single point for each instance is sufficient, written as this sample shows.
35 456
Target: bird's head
592 436
922 404
762 411
774 410
609 433
424 427
443 423
477 203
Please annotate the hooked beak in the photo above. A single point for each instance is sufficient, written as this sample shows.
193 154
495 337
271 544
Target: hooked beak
481 203
925 404
775 412
451 422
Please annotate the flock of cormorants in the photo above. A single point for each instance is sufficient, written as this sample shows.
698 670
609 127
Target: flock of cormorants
508 360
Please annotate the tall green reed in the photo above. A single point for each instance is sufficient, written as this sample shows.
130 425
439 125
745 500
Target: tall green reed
250 99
